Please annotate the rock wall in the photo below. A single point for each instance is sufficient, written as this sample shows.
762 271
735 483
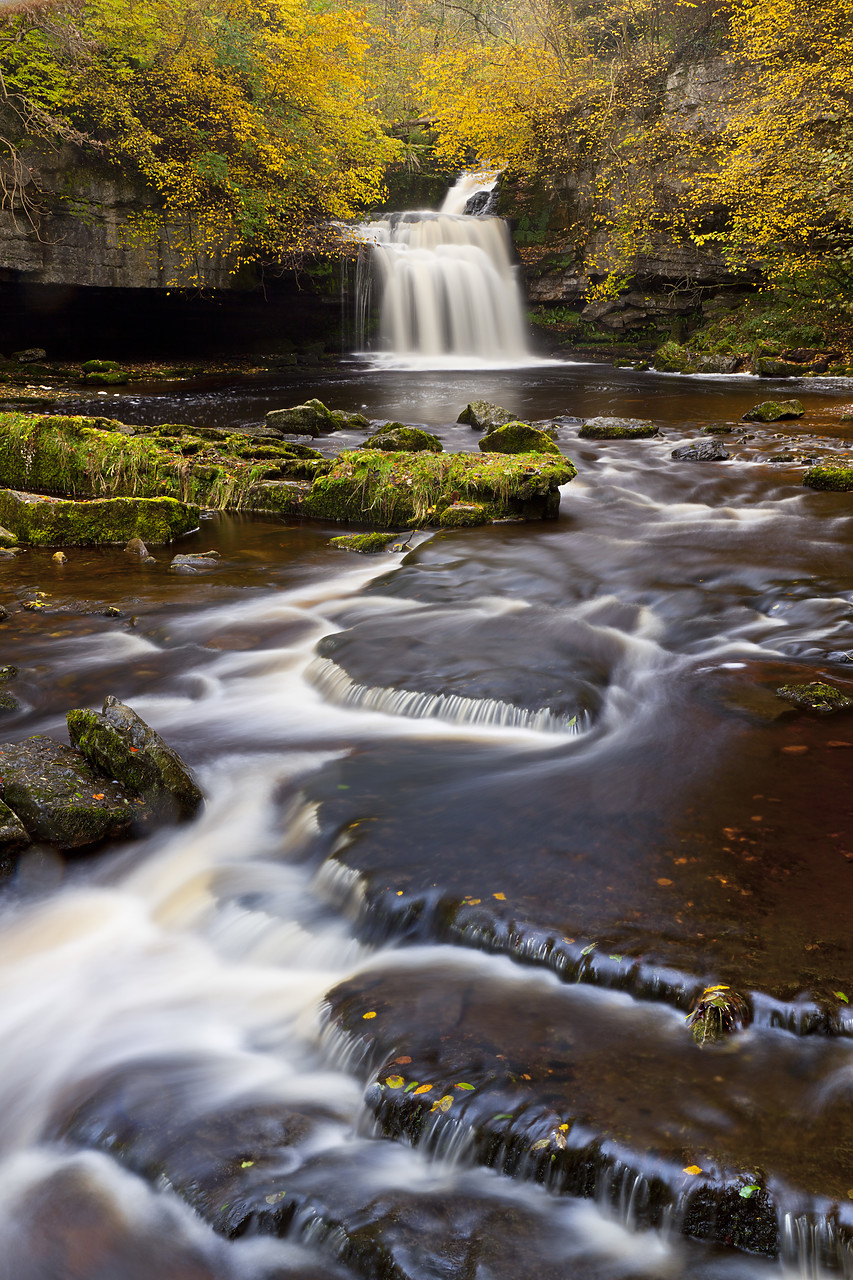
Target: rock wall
674 282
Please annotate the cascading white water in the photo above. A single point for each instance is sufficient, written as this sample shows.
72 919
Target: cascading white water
444 283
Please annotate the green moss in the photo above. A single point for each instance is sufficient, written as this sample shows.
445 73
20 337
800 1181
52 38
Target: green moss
816 696
464 515
775 411
402 489
398 438
117 378
100 366
617 429
518 437
366 543
838 479
50 522
671 358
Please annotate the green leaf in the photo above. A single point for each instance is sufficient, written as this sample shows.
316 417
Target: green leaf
463 1086
841 996
588 949
502 1115
746 1192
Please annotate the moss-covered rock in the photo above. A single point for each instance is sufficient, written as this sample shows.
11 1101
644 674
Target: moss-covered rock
100 366
816 695
121 744
618 429
398 438
671 358
365 543
774 411
518 437
771 367
400 490
13 833
718 429
60 798
839 479
7 538
463 515
115 378
483 416
313 419
41 521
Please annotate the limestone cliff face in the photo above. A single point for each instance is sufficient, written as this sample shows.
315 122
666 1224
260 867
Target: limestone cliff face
82 229
671 276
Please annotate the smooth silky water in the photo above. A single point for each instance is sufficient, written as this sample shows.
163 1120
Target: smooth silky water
520 792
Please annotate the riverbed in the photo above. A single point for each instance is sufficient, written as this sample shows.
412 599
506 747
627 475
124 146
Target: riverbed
484 816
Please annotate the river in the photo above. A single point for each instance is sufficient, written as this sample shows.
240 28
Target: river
483 815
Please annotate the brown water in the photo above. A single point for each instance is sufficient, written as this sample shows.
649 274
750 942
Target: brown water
520 793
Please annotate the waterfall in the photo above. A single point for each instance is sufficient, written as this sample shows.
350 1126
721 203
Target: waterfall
444 283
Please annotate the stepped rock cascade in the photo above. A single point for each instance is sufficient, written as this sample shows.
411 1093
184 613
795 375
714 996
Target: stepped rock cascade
444 284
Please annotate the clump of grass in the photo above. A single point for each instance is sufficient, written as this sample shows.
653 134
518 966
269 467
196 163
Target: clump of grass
718 1012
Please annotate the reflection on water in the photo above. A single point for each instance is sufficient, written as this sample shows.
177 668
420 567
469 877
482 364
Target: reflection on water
164 1054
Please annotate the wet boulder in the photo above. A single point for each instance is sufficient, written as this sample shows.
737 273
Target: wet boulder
7 538
13 833
701 451
837 479
517 437
120 743
816 695
774 411
367 544
42 521
398 438
313 419
59 797
483 416
197 562
617 429
773 367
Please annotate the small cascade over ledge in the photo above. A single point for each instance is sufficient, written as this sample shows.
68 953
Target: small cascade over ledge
443 284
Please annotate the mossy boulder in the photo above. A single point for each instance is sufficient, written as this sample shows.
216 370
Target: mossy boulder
463 515
399 490
718 429
772 367
617 429
313 419
365 543
397 438
41 521
7 538
13 833
839 479
483 416
816 695
775 411
518 437
61 799
100 366
113 378
121 744
671 358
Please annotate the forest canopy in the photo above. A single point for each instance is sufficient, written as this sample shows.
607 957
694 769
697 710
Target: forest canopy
260 124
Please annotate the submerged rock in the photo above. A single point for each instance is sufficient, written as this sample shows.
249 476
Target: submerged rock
701 451
483 416
42 521
398 438
59 798
518 437
119 742
775 411
618 429
816 695
196 562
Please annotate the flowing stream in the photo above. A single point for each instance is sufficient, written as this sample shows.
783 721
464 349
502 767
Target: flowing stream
483 815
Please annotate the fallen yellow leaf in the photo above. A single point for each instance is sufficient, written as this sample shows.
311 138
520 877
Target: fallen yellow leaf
372 1014
424 1088
501 897
692 1169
